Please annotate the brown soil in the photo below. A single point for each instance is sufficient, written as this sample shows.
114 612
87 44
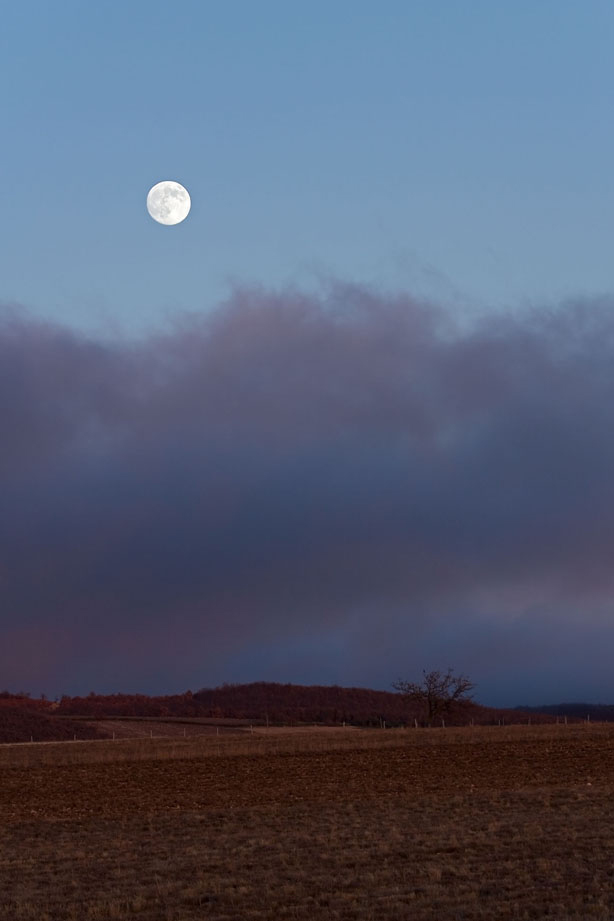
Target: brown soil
453 826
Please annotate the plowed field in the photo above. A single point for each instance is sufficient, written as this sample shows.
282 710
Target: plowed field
428 824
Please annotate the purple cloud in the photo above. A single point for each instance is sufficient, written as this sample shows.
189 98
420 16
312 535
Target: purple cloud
344 473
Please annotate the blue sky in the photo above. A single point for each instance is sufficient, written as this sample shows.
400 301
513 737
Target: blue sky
462 150
352 418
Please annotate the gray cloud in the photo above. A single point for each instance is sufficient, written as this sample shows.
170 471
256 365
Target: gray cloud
343 472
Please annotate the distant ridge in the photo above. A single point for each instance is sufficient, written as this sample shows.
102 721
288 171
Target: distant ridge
335 704
281 704
600 713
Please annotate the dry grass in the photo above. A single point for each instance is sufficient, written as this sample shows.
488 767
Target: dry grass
430 825
169 744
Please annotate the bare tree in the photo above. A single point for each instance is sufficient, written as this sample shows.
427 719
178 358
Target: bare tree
437 693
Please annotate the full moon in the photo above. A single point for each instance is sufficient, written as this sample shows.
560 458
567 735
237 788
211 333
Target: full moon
168 202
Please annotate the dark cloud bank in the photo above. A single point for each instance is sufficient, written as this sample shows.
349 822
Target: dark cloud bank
327 489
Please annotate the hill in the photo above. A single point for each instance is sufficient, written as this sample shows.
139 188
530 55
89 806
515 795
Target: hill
18 724
283 703
276 704
261 702
599 713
